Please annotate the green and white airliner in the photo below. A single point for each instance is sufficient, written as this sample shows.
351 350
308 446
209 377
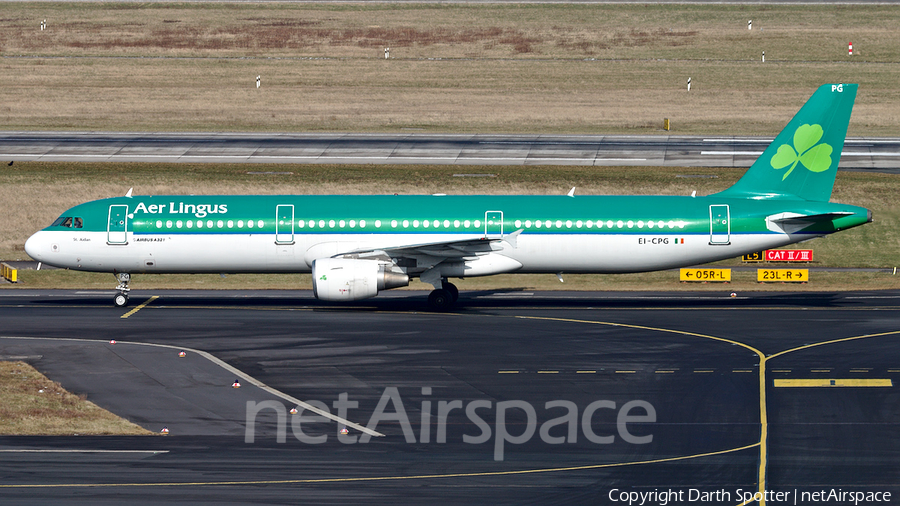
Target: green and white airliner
358 245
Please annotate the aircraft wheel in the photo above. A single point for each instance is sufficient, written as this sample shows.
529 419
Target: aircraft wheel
450 287
440 300
121 300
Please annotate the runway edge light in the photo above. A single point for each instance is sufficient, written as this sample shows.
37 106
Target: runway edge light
236 384
293 411
182 354
165 430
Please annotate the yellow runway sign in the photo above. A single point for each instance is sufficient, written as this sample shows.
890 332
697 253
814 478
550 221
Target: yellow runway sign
710 275
782 275
758 256
9 273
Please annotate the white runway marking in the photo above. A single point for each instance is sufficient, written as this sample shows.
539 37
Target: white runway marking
249 379
151 452
757 153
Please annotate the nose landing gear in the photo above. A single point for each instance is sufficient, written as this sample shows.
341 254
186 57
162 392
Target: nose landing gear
121 298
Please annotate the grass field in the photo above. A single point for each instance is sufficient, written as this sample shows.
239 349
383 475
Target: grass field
24 211
742 282
460 68
31 404
453 68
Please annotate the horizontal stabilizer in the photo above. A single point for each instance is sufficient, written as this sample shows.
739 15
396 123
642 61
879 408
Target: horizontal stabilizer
792 223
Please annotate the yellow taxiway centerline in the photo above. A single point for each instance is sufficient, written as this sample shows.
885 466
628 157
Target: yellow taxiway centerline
383 478
142 306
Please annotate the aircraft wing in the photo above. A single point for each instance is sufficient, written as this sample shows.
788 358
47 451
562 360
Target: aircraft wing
448 249
469 254
460 248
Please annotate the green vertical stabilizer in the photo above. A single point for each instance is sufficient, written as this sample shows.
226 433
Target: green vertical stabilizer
801 163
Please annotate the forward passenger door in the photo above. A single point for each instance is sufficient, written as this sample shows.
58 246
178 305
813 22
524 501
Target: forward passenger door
117 228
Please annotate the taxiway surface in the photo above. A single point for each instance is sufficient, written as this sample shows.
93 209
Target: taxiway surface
516 398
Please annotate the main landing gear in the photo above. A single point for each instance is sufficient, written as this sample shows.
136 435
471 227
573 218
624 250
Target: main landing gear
121 298
443 298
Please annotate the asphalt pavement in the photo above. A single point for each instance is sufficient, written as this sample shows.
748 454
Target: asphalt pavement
515 398
860 153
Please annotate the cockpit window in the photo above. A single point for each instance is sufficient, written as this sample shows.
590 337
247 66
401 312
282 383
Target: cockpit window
68 221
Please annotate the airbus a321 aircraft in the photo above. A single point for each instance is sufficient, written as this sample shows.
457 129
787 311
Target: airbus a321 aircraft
358 245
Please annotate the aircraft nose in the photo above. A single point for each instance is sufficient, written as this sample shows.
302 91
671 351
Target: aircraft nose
35 246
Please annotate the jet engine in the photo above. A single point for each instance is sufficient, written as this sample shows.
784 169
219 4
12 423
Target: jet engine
346 279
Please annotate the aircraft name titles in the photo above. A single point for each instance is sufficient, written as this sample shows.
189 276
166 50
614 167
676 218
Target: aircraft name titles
198 210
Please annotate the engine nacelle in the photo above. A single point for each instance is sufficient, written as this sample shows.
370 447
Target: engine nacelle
347 279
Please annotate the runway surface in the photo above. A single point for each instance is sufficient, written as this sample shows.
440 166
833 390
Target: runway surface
588 2
690 393
882 154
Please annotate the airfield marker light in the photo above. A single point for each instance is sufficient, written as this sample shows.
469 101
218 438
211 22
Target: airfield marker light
850 49
733 294
293 411
689 84
764 57
165 430
112 341
345 431
182 354
257 81
750 24
236 384
387 53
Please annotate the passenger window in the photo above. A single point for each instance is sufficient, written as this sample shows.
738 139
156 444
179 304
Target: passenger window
77 222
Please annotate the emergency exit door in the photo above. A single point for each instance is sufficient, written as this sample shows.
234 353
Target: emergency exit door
719 224
284 224
493 224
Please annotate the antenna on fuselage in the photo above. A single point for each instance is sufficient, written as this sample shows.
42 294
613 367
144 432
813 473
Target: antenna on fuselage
128 194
